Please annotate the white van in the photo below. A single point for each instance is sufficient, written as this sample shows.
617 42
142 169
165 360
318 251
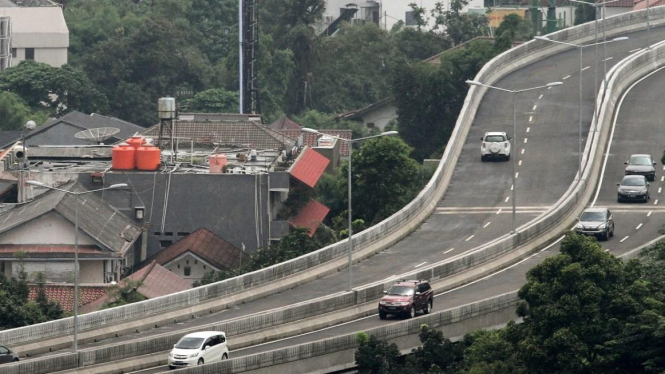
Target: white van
199 348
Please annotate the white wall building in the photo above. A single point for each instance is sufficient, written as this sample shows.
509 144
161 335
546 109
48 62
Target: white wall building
38 33
386 12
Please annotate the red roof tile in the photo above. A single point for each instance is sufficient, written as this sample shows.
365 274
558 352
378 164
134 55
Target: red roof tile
310 216
309 167
158 281
64 294
205 244
284 123
642 4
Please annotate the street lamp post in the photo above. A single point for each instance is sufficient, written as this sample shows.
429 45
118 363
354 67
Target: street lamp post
76 242
513 92
580 47
350 223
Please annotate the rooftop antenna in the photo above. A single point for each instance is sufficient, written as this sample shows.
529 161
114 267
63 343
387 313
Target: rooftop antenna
97 135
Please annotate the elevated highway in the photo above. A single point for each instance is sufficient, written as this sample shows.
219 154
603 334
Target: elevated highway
475 209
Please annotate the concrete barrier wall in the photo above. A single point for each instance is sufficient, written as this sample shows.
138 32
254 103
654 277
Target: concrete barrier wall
401 221
348 341
49 364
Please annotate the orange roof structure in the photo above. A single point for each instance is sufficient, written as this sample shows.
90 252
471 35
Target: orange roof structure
157 281
310 216
309 166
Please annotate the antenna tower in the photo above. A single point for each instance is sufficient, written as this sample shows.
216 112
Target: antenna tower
250 46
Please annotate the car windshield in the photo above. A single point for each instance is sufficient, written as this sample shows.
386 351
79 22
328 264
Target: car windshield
640 160
401 291
592 216
189 343
633 182
494 138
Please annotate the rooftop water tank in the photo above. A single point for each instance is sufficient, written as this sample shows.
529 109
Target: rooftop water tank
166 108
123 157
217 163
136 141
148 157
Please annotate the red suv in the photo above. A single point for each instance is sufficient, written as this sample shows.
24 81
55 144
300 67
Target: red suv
406 297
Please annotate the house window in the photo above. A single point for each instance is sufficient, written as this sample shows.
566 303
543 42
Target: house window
187 262
13 52
188 271
168 233
181 233
158 233
204 267
29 53
196 262
165 243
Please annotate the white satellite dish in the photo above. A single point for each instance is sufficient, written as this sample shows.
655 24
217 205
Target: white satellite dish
97 135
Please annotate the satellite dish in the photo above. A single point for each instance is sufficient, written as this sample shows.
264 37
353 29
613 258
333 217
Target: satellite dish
97 135
30 125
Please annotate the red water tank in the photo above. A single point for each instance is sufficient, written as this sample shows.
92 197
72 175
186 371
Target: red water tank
148 157
136 141
123 157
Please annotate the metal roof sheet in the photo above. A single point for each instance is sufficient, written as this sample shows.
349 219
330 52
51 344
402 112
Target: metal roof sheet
309 166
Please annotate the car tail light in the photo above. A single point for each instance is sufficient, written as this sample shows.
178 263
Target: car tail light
484 144
506 144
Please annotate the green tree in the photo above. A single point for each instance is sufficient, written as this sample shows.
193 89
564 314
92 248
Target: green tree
418 45
457 25
512 28
15 113
419 15
60 89
437 354
429 97
216 100
384 178
584 14
125 293
375 356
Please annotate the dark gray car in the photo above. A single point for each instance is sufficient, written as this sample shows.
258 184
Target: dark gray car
641 165
6 355
633 188
596 221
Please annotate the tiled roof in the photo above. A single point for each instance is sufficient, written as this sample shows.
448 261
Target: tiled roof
642 4
284 123
55 251
84 122
158 281
204 244
309 166
310 139
96 218
234 134
310 216
621 4
9 137
64 294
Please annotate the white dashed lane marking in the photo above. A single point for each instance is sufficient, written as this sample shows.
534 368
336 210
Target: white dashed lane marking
660 189
520 163
634 50
450 250
623 240
507 198
512 186
525 140
518 174
421 264
662 178
528 129
522 150
500 209
534 107
648 214
469 238
566 77
609 58
487 224
540 97
586 68
655 202
638 226
530 118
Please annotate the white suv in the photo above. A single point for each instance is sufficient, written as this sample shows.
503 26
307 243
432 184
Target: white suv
199 348
495 145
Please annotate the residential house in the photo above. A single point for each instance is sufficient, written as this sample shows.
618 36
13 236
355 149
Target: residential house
61 131
197 254
39 33
375 116
43 231
91 296
156 281
307 170
618 7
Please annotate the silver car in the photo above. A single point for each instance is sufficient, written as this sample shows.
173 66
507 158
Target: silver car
596 221
641 165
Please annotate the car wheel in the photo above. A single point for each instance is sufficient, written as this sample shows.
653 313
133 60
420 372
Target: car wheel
225 357
606 234
612 232
16 359
171 367
200 361
428 307
482 158
619 200
508 158
382 315
412 312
